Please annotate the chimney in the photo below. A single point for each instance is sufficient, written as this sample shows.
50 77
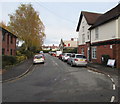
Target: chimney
72 39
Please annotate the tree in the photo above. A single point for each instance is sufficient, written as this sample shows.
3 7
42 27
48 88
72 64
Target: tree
3 25
27 26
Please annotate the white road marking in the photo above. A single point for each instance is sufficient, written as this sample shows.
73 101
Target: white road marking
113 86
108 75
112 79
112 99
95 72
56 64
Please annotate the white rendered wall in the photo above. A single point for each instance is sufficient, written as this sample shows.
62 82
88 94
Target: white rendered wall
106 31
86 31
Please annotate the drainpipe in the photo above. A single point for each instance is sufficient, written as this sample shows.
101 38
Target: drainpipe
90 48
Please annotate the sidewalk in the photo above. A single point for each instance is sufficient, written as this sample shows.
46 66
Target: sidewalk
105 69
112 72
16 70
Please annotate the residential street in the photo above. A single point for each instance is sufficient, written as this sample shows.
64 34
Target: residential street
56 81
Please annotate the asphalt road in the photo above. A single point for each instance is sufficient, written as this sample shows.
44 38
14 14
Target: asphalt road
55 81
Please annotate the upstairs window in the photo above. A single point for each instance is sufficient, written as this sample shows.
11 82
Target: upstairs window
82 51
68 44
3 36
11 39
96 33
88 36
83 28
83 38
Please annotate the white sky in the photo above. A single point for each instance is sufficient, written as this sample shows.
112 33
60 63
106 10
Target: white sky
60 18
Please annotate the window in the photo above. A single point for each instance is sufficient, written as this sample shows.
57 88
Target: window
68 44
110 46
96 33
83 38
83 28
11 39
11 52
88 36
3 36
82 51
94 53
3 51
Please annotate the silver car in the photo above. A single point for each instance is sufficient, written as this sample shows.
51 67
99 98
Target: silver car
77 60
66 56
38 59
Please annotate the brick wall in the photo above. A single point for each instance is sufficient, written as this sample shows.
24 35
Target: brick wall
118 55
85 47
0 51
7 45
113 52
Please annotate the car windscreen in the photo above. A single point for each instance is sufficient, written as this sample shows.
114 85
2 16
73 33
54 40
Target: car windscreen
80 56
68 54
38 57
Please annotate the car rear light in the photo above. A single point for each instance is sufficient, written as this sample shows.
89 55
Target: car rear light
85 60
75 59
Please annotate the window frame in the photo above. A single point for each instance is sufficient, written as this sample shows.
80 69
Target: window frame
96 33
11 52
3 51
94 52
83 38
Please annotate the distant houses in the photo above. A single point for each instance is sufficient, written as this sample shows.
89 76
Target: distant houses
8 42
50 47
99 35
68 44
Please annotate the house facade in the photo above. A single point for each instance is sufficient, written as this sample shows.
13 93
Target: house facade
104 37
8 41
52 47
70 44
86 20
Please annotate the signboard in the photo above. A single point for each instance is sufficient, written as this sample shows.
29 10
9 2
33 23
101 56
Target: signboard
111 62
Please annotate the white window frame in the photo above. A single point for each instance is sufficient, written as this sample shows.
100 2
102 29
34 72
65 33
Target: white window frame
88 35
94 52
96 33
83 38
82 51
83 28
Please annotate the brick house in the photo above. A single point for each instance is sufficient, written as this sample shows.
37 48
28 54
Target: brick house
86 20
104 37
8 41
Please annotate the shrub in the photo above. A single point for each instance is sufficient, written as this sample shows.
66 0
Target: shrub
21 58
70 50
8 60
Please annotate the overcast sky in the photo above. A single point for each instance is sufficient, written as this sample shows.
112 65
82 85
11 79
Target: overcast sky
60 18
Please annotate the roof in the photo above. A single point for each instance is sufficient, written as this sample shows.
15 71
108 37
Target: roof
89 16
112 14
4 30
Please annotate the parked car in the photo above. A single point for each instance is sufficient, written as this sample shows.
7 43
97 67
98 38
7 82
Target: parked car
60 56
77 60
41 52
54 54
58 53
38 59
66 56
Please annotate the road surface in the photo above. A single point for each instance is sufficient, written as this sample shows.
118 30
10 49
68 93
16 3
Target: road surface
56 81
